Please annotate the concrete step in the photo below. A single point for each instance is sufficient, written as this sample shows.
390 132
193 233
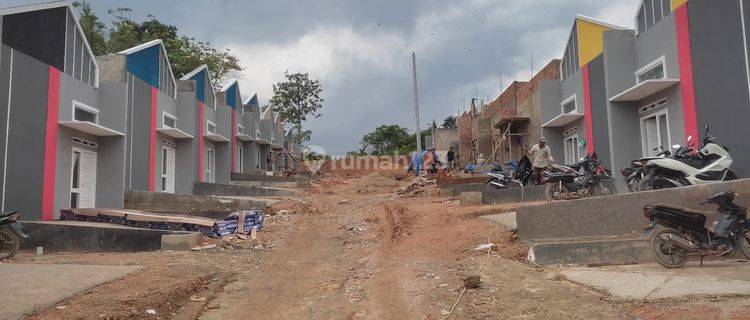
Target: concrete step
500 196
591 252
79 236
507 220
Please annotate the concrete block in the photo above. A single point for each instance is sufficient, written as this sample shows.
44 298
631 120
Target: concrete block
592 252
180 242
445 193
509 195
615 215
507 220
471 198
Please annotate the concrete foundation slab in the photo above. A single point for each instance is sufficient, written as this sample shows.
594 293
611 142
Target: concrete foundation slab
180 242
509 195
28 286
591 252
507 220
471 198
205 206
76 236
652 281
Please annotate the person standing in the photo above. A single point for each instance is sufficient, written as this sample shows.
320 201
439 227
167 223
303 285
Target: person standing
450 158
541 155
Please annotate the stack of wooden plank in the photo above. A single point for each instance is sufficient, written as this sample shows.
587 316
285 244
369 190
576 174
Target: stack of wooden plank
209 227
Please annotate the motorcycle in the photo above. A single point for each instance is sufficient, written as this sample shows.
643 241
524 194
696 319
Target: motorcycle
520 173
686 234
588 179
635 174
11 232
709 163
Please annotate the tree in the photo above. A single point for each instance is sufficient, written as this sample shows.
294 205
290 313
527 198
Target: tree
388 139
184 53
450 122
93 28
296 99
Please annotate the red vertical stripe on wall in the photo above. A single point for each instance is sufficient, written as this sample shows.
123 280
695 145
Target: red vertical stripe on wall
152 143
201 143
587 109
234 140
684 58
50 145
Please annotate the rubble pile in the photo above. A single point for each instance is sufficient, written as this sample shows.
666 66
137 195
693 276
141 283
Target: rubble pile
415 188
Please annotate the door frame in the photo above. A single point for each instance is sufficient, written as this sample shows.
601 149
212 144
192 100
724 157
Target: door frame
165 181
72 166
210 165
644 142
240 158
576 152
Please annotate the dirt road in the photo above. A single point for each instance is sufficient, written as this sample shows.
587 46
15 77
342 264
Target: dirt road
351 249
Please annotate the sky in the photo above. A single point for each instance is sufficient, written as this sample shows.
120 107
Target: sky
361 50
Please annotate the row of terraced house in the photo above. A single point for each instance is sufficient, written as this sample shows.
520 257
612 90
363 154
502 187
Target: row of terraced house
628 93
78 130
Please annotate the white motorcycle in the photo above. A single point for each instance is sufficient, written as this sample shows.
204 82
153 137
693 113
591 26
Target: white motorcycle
710 163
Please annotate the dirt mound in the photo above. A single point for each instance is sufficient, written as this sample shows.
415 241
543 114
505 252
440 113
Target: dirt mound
291 206
375 182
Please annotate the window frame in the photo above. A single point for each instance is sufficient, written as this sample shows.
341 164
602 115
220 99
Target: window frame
164 115
210 123
576 153
84 107
651 66
573 98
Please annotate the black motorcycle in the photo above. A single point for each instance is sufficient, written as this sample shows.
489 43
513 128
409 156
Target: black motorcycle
11 233
686 233
589 178
520 173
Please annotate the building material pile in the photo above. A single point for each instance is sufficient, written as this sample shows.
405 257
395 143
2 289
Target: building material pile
252 219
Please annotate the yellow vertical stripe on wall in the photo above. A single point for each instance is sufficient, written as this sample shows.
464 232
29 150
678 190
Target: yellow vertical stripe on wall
677 3
590 43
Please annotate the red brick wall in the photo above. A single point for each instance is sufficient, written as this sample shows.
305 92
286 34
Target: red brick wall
464 137
550 72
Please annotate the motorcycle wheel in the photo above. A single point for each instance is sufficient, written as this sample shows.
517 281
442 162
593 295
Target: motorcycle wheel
553 191
667 254
743 245
605 188
10 242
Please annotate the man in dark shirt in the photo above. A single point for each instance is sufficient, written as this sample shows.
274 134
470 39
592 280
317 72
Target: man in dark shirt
450 158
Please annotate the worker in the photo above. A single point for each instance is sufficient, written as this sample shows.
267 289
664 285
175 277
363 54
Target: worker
450 158
541 155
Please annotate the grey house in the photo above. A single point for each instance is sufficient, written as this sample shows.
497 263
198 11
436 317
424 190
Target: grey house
62 145
248 132
210 146
140 81
685 66
267 140
574 114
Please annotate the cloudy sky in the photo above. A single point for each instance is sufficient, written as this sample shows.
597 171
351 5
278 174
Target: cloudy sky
361 50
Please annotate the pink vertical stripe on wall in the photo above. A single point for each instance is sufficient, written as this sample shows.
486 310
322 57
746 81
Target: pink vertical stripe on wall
684 58
152 142
201 142
587 109
50 145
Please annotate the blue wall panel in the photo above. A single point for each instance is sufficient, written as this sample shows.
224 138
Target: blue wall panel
200 85
232 93
144 64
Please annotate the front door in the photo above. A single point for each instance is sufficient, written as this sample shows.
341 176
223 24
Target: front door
655 134
210 165
167 170
240 158
83 179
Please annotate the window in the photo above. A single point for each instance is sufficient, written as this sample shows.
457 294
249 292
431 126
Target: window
82 112
571 149
652 71
75 180
257 134
240 158
655 133
169 121
79 61
569 105
569 64
651 12
211 127
240 129
210 157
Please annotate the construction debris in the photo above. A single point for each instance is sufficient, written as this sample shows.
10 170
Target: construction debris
253 220
414 188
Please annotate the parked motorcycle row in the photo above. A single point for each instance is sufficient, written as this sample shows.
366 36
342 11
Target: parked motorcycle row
10 234
688 165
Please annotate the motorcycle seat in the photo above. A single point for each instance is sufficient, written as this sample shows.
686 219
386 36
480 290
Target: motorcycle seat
673 208
7 214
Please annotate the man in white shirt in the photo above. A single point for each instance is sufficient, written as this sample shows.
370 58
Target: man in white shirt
541 158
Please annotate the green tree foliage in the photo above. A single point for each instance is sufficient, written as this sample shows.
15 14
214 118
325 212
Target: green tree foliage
450 122
94 29
185 53
388 139
295 99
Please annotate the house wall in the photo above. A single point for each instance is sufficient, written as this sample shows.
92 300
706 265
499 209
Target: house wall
720 74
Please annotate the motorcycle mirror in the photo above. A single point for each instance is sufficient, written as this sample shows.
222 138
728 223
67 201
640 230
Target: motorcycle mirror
690 138
676 146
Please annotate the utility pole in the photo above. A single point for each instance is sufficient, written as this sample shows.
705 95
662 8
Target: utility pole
416 100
